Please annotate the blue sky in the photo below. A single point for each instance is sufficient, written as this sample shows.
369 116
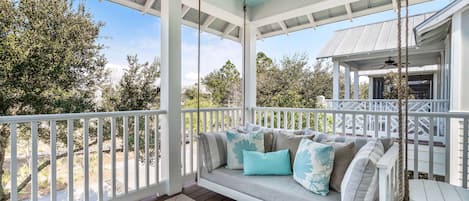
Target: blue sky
127 31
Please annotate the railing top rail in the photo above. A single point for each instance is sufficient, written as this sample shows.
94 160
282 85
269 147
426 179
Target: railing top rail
71 116
211 109
379 113
386 100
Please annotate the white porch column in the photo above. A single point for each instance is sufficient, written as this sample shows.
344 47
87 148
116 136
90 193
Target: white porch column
370 88
335 80
250 74
459 98
356 85
347 83
171 94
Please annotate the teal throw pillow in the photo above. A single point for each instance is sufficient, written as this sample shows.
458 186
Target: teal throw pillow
272 163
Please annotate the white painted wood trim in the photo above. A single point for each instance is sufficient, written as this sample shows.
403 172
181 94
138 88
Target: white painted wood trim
236 195
171 94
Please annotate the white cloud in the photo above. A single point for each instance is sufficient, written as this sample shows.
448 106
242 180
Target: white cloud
189 78
214 54
117 71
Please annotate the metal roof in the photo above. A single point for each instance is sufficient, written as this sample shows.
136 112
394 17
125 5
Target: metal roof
370 38
271 17
436 27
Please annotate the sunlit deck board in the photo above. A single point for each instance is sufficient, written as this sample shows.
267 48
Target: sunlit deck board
426 190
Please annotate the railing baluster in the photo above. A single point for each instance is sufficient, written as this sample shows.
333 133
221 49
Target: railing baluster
430 147
126 153
365 125
157 158
388 126
325 123
316 122
265 117
416 148
70 158
100 160
53 162
183 143
113 156
300 121
34 183
334 124
222 120
292 120
448 148
147 151
272 119
217 121
279 115
136 151
344 120
308 120
376 125
13 163
86 126
205 122
464 153
353 124
211 121
191 142
285 119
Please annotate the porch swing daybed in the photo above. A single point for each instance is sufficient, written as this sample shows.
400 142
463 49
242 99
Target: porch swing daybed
234 184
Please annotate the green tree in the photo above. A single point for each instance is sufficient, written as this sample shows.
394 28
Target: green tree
224 85
137 89
50 62
391 85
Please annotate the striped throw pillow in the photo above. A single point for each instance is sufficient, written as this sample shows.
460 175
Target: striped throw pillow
213 149
360 182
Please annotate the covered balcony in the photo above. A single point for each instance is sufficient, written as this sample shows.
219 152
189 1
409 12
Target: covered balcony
135 155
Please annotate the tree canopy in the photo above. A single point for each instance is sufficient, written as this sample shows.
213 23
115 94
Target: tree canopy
50 62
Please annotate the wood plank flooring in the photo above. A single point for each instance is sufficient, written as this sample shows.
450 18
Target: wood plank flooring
198 194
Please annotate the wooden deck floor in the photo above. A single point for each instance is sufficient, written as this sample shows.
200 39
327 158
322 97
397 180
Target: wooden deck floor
197 193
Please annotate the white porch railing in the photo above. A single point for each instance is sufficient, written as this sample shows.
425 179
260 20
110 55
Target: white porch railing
85 169
123 173
388 105
211 120
428 152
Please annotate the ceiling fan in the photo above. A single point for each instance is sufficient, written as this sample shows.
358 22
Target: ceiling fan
390 63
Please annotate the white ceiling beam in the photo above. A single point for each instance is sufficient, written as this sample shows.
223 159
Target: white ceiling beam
185 10
136 6
228 30
147 6
338 18
276 10
227 10
348 8
283 26
311 19
208 22
259 34
394 5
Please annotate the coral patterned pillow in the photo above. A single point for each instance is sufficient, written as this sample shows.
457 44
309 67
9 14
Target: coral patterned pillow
237 143
313 166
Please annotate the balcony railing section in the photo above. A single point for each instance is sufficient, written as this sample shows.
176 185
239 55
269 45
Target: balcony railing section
388 105
211 120
430 134
109 155
116 155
